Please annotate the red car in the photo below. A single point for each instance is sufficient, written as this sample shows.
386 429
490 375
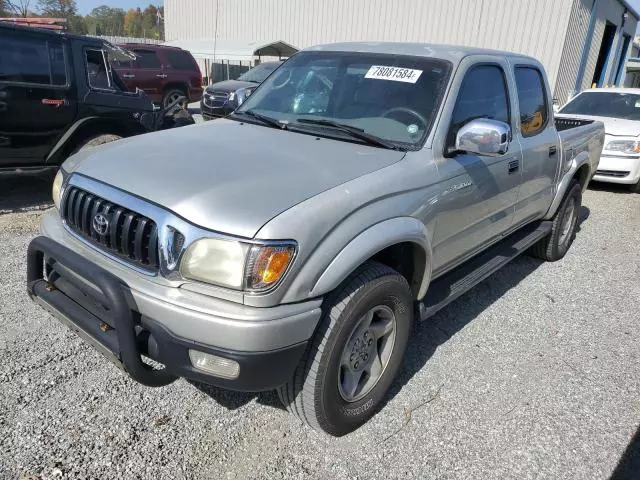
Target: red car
163 73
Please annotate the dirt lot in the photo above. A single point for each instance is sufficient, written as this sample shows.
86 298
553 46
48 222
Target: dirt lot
535 373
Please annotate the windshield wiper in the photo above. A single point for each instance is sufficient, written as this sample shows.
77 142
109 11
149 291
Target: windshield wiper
263 118
355 132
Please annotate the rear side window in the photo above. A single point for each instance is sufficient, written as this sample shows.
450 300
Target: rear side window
483 94
146 59
32 60
179 60
532 100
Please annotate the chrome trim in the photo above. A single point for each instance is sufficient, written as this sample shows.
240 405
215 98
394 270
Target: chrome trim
167 223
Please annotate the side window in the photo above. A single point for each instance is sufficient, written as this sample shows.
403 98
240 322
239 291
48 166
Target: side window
532 99
97 72
483 94
57 62
180 60
32 60
146 59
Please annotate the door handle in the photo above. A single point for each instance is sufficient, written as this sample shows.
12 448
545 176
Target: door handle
553 150
514 166
161 75
128 75
53 102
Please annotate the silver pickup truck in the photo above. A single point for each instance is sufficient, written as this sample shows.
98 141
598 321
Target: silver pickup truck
291 246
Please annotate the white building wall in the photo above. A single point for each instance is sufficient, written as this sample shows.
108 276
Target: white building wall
533 27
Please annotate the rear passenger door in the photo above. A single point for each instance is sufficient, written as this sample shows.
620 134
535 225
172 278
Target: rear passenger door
37 104
538 139
144 73
479 192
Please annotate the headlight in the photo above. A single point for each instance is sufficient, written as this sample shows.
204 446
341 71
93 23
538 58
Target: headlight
210 260
623 146
243 94
237 265
56 190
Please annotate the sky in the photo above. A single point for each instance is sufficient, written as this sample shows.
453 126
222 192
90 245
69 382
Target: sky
85 6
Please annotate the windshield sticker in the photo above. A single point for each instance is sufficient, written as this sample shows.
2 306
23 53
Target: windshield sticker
395 74
412 129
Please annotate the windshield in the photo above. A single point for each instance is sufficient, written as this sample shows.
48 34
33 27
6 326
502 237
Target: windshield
259 73
605 104
394 98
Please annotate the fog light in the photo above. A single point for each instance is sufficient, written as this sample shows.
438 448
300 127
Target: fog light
218 366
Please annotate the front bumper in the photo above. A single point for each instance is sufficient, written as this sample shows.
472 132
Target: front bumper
211 113
124 323
618 169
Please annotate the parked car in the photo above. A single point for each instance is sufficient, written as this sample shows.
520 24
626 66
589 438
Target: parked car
164 73
619 110
59 96
222 98
362 187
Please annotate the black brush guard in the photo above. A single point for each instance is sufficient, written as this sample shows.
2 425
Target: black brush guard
101 315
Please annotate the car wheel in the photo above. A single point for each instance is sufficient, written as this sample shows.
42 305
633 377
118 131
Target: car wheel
172 96
95 141
563 232
355 353
635 188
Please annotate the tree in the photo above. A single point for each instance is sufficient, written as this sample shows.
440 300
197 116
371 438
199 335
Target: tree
66 9
105 20
18 7
133 23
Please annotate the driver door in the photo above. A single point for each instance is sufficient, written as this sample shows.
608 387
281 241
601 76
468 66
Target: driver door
479 192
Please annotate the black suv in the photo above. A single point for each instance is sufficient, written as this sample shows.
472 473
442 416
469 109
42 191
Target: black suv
58 95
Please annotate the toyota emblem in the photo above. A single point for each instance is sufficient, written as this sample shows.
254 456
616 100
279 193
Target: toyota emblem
100 224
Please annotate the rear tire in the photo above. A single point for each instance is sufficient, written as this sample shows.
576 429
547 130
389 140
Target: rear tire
172 95
563 232
96 141
355 353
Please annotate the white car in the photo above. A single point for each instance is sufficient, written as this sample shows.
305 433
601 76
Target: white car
619 110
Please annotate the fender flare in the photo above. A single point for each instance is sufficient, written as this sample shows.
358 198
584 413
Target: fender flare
568 175
67 135
371 241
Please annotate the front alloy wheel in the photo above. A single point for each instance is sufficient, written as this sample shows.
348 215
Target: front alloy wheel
355 353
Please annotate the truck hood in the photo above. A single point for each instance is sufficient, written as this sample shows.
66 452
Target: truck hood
619 127
228 176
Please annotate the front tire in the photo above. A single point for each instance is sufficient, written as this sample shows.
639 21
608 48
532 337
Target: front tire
96 141
356 351
635 188
565 224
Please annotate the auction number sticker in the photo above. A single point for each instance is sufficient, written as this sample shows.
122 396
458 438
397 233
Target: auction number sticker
395 74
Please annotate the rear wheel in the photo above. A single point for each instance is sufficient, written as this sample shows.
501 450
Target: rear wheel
172 96
95 141
356 351
563 232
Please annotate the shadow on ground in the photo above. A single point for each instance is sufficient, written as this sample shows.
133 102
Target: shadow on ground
628 467
25 192
427 335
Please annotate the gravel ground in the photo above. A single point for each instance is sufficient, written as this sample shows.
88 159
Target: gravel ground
535 373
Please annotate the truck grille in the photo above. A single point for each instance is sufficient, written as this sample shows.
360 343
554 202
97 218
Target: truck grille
119 231
215 99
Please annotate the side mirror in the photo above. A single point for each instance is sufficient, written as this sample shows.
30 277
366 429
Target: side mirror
484 136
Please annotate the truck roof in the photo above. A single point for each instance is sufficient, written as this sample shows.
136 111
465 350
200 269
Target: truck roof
44 31
453 53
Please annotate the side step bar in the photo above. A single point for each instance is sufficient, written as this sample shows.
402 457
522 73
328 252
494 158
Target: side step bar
450 286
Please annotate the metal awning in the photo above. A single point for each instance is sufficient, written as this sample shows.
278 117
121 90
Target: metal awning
220 49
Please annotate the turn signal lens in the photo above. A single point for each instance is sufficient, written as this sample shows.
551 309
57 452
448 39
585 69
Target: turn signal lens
267 265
